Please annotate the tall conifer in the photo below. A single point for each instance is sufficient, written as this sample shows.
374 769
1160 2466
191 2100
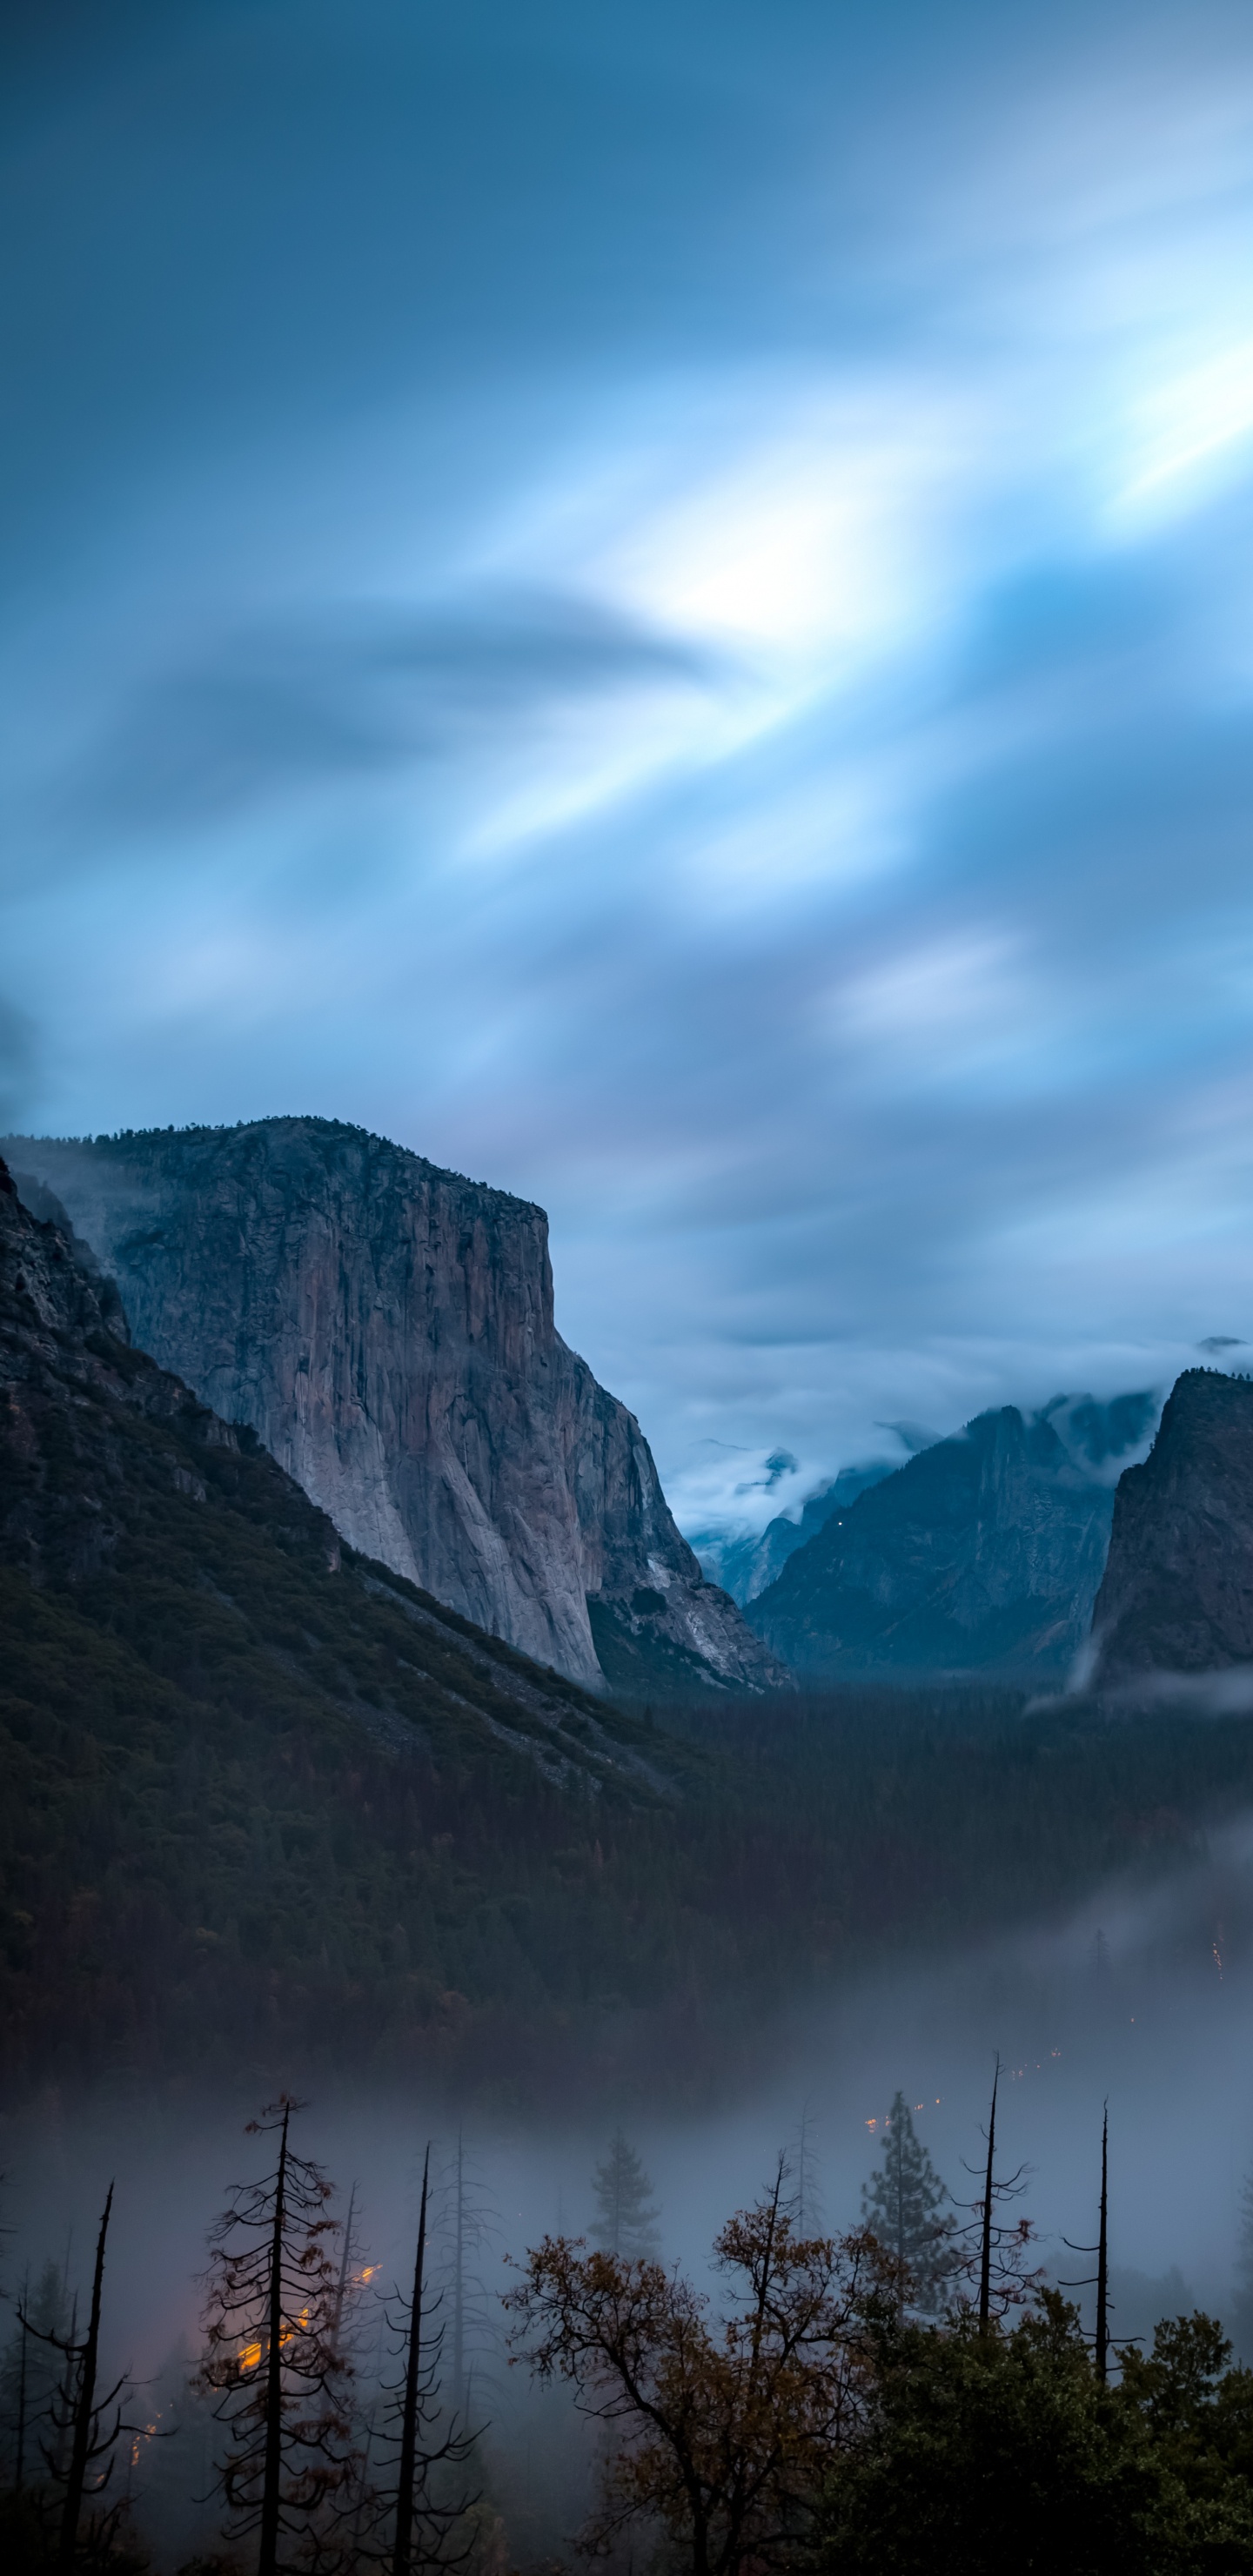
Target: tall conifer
905 2206
626 2218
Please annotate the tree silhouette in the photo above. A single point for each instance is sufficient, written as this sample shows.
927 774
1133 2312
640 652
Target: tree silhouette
626 2219
413 2525
727 2432
80 2456
904 2206
274 2357
805 2204
998 2248
1098 2280
467 2228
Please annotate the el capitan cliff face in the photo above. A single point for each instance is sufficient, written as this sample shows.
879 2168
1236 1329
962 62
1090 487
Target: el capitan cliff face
387 1330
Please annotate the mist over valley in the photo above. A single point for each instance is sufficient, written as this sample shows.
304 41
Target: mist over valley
626 1356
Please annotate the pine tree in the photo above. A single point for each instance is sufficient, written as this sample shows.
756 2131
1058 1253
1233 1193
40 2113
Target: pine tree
626 2219
904 2206
805 2203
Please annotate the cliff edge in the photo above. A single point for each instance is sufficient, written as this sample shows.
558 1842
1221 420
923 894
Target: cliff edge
386 1328
1178 1590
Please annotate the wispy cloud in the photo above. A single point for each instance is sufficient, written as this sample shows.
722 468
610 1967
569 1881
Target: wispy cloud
661 610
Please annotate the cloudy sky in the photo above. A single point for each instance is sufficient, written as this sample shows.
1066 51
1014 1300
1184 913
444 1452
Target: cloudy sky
658 603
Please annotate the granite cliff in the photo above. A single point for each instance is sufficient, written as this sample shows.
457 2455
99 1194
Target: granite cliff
121 1492
263 1802
386 1329
1177 1595
982 1554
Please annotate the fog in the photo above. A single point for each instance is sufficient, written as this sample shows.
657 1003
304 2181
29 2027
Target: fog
1142 1996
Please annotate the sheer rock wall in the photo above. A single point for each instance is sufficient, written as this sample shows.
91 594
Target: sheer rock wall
387 1330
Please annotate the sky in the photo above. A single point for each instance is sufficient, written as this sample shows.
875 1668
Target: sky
656 603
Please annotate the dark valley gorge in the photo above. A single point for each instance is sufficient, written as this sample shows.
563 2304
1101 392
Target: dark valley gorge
369 1731
364 1704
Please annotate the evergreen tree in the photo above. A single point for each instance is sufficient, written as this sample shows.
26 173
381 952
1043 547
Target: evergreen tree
805 2203
904 2206
626 2219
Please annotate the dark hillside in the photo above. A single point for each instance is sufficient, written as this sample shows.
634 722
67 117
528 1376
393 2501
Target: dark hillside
261 1810
258 1793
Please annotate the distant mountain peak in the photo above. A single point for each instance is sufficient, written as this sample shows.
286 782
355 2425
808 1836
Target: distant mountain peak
982 1554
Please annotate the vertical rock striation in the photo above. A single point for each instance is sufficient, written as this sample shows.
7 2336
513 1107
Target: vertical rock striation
387 1330
1177 1597
982 1555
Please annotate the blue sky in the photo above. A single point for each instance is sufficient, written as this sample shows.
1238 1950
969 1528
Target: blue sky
658 604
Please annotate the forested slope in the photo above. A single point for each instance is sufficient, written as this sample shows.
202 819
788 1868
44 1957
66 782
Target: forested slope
265 1810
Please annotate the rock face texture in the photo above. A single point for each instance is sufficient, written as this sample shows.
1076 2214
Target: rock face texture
79 1409
1177 1596
982 1554
387 1330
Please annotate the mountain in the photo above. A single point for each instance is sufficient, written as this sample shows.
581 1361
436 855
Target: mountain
745 1565
270 1815
259 1796
982 1554
387 1331
1177 1595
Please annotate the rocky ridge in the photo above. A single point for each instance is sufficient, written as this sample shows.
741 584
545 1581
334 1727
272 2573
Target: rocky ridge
744 1564
982 1554
1177 1594
386 1329
104 1458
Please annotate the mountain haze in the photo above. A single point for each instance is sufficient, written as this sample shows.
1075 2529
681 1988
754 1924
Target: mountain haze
745 1565
983 1553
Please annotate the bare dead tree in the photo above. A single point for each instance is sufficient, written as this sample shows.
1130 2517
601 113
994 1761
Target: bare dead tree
998 2256
416 2519
81 2457
274 2360
1099 2280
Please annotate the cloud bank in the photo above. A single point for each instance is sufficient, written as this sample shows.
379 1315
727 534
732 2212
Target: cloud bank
660 611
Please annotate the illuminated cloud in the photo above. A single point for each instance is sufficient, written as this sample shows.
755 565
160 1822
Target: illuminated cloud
659 609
